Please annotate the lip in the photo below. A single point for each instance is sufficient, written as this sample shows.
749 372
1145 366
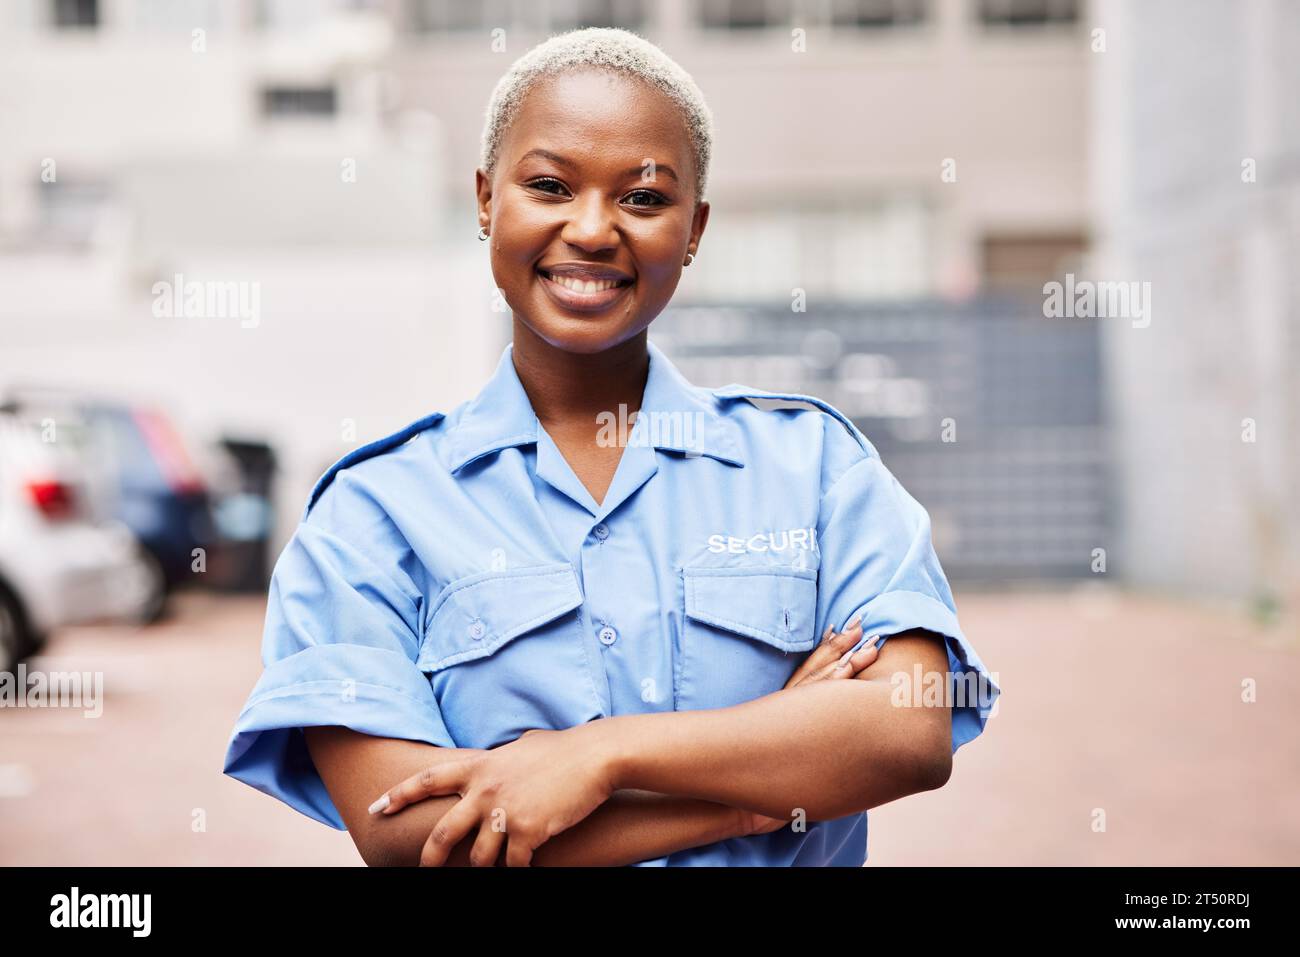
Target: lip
585 301
586 270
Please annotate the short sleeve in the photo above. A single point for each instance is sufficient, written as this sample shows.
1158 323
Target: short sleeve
877 560
339 647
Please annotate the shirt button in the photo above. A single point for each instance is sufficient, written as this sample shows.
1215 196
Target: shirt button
601 531
607 635
476 629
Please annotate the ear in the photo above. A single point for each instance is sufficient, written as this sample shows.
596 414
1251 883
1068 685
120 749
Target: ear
483 191
698 222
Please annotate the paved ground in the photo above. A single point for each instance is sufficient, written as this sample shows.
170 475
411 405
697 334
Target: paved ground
1132 705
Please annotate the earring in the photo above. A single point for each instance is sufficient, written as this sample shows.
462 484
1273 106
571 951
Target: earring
482 233
690 258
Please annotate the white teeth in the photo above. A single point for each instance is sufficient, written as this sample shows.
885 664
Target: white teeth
584 286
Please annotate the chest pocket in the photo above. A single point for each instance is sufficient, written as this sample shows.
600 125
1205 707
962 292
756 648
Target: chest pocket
504 653
744 632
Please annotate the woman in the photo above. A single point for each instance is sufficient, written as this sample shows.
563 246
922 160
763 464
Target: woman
518 634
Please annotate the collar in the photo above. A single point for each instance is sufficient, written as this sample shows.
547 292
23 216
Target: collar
675 416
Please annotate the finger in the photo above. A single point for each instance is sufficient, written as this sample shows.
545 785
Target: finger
840 667
864 658
825 648
448 832
519 852
824 656
851 663
487 846
433 780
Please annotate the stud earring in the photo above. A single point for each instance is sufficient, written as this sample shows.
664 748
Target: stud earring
690 258
482 233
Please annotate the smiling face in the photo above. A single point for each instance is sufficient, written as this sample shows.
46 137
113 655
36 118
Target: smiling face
588 238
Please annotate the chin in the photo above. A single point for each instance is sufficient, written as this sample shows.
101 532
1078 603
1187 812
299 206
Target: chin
584 335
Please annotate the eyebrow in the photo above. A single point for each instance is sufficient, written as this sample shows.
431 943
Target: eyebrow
565 161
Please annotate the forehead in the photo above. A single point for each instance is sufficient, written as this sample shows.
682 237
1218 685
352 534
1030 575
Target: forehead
592 113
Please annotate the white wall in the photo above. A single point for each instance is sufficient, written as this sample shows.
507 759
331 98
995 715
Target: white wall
1184 94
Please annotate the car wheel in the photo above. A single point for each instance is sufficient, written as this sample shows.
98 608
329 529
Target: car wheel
153 586
14 639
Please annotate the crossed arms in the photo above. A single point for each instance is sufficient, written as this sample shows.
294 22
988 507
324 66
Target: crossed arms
636 787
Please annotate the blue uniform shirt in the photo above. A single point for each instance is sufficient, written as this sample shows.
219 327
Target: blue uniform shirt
456 583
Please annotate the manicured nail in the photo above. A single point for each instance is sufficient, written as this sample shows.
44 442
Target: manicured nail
380 804
869 644
857 620
844 660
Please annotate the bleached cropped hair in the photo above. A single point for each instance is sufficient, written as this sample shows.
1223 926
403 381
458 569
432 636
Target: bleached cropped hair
611 48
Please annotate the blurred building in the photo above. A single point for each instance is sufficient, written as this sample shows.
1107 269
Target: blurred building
1196 152
322 151
835 123
149 144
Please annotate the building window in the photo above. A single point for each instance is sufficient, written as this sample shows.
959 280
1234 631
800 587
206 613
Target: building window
743 14
1028 12
284 101
180 16
457 16
862 249
1017 263
71 210
573 14
877 13
70 14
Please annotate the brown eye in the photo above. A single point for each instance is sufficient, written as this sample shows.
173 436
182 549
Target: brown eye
651 198
546 184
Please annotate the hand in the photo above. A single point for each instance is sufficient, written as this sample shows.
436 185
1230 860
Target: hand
520 794
827 663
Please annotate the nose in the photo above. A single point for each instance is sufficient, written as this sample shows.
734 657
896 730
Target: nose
590 226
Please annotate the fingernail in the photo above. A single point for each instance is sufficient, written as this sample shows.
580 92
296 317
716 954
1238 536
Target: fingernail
844 659
869 644
380 804
857 620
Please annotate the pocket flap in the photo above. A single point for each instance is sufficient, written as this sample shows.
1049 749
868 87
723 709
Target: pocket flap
776 606
474 616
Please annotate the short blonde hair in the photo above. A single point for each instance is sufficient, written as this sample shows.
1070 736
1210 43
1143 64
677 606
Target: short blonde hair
609 48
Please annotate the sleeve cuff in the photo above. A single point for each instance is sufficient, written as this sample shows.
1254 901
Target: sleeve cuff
371 690
973 689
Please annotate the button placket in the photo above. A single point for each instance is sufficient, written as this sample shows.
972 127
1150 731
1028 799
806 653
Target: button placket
606 633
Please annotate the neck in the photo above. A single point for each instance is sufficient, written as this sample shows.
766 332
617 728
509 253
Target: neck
567 388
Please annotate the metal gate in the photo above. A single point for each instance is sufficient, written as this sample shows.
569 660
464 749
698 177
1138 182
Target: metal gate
989 414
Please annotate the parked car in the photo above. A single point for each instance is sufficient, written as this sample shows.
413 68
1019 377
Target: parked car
244 512
60 562
144 473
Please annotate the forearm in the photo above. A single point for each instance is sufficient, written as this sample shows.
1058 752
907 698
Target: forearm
637 826
829 749
631 826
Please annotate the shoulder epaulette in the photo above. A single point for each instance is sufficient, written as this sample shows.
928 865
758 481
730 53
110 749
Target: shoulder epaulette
769 401
377 447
